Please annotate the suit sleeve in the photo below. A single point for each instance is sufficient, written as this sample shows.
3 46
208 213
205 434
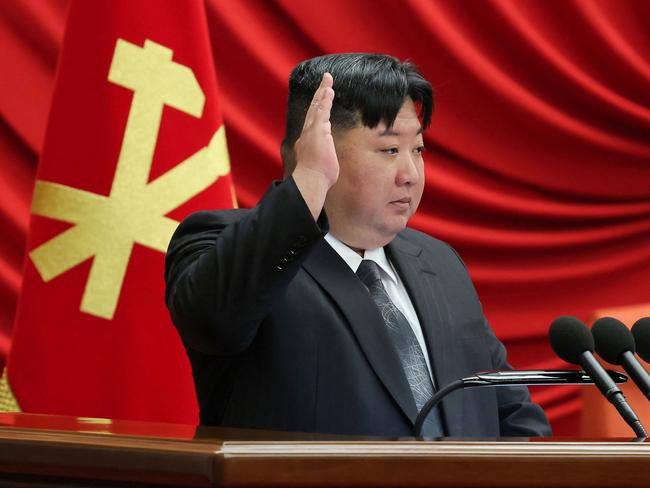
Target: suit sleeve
518 415
224 270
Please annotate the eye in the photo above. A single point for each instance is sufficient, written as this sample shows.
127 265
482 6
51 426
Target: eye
419 149
390 150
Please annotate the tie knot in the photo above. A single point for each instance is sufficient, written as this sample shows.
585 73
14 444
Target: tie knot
368 273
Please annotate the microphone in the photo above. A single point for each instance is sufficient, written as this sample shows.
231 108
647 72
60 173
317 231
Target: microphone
510 378
572 342
615 344
641 333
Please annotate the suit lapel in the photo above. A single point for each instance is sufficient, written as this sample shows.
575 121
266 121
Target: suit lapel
426 293
344 288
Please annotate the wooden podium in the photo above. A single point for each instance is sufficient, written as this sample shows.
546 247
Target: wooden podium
44 451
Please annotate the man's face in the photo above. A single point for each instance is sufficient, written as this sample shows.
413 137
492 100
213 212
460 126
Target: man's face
380 181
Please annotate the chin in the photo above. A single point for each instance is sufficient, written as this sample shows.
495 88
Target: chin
398 224
389 233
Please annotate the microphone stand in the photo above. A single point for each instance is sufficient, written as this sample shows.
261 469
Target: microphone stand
433 401
512 378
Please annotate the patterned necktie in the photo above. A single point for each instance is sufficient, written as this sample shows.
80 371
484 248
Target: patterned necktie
406 344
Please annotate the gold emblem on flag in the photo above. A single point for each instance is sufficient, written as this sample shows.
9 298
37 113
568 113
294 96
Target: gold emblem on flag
107 227
8 402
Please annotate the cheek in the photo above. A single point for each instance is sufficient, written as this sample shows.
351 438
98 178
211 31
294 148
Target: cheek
416 201
421 181
420 169
418 189
361 184
355 180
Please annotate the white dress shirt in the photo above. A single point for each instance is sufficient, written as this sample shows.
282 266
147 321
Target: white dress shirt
391 281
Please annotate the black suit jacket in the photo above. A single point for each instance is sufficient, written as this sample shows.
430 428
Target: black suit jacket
282 335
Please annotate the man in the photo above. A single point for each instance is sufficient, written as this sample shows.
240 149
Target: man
317 310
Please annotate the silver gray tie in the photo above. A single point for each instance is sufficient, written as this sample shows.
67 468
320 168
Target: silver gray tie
405 343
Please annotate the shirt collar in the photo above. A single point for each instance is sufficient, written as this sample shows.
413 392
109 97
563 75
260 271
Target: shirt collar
353 260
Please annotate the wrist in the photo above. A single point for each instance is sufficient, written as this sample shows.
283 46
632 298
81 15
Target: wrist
313 186
314 178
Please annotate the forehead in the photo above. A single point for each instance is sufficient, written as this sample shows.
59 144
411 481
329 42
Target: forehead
406 123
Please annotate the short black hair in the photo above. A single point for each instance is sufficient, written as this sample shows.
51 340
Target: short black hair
369 88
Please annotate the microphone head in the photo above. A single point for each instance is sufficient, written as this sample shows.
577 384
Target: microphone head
612 339
641 334
569 338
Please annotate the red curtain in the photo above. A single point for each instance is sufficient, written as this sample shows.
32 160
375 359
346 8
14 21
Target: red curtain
538 162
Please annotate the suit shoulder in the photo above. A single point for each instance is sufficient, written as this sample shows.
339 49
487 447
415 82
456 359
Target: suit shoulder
212 218
426 241
436 248
202 227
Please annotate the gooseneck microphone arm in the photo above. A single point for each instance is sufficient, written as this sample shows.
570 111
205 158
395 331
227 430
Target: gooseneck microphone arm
510 378
637 372
433 401
613 394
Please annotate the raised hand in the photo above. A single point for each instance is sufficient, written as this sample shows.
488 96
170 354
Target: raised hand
317 167
315 146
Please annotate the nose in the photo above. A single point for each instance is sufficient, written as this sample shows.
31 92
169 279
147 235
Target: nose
408 173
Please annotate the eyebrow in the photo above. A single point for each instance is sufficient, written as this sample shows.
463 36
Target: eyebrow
389 132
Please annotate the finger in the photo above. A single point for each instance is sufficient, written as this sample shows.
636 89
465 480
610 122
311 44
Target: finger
327 80
324 90
325 105
315 105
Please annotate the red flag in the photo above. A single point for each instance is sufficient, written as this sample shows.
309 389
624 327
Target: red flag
135 142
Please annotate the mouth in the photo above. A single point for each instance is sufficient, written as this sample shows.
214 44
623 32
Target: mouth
406 200
402 203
